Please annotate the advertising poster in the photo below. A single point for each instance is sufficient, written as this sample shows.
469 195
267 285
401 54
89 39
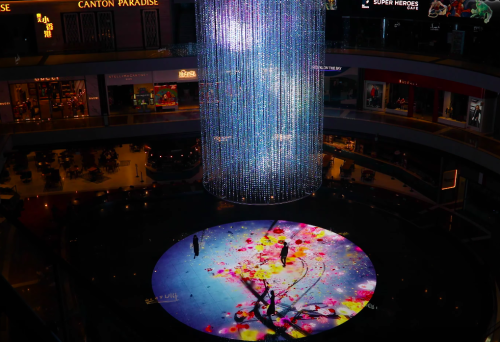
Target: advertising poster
472 9
374 94
142 97
166 96
475 112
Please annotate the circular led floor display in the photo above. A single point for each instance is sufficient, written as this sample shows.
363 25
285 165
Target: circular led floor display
244 284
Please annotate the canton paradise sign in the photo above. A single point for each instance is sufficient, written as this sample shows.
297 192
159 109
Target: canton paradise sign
117 3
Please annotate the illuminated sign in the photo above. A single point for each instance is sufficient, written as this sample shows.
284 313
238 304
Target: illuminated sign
93 98
187 74
328 68
4 7
46 79
407 82
410 5
4 103
449 179
49 27
120 3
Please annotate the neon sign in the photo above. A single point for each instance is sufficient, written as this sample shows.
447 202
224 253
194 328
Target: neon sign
4 7
49 27
121 3
187 74
449 179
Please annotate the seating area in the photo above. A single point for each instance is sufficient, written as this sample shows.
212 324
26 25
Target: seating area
77 169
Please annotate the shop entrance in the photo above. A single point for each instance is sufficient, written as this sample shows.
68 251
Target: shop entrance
188 95
49 99
121 99
424 103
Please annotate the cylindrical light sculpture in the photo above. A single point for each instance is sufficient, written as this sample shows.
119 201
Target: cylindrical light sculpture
261 98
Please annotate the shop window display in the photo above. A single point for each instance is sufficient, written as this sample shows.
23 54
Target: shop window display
424 103
374 94
144 98
456 107
49 100
166 97
475 112
131 99
341 88
398 98
188 95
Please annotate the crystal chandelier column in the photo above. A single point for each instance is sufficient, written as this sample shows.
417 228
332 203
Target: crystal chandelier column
261 98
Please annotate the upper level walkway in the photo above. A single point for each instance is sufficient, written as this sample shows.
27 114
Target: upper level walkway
481 149
181 56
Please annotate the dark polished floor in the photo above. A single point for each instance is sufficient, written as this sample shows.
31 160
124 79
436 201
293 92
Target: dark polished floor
428 285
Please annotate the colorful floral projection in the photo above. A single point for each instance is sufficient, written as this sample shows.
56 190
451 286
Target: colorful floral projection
226 290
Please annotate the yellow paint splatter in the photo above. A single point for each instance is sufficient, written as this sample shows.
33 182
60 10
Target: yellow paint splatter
249 335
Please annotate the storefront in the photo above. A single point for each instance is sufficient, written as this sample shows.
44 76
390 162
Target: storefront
427 98
47 98
341 87
149 92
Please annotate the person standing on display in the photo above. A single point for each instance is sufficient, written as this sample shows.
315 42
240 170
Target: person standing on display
284 254
476 117
196 246
377 102
372 96
272 306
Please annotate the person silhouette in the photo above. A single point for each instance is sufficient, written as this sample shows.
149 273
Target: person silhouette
196 246
284 253
272 306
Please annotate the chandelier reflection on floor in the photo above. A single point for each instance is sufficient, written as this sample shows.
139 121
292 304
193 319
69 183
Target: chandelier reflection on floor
261 98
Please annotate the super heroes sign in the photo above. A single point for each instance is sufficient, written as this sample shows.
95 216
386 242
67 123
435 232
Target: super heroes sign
119 3
410 5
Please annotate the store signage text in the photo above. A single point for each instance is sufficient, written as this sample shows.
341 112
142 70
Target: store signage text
4 103
46 79
121 3
4 7
410 5
187 74
328 68
94 98
127 77
170 298
407 82
49 27
435 27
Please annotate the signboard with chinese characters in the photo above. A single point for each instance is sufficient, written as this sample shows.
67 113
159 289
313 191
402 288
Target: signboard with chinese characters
49 27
